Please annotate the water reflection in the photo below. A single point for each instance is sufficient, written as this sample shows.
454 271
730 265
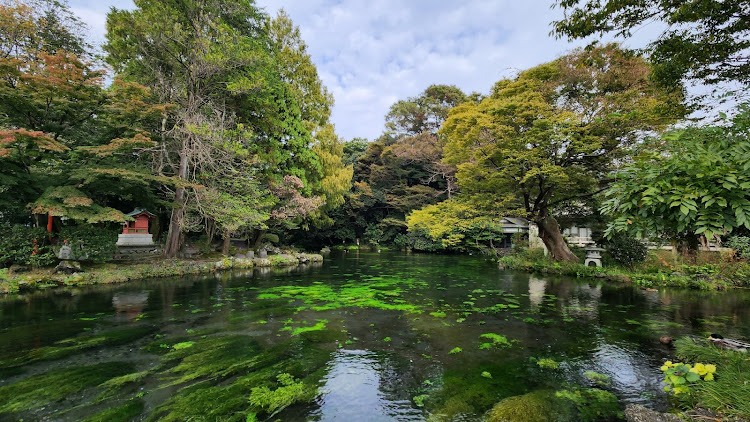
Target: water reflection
353 391
128 305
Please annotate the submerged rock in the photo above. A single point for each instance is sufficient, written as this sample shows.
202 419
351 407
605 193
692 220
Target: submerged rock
537 406
638 413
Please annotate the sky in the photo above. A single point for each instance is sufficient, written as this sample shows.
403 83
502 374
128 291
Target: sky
372 53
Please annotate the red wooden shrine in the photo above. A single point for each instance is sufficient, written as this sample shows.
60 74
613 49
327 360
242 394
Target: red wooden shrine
140 225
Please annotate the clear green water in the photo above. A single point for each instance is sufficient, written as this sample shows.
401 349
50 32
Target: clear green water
365 336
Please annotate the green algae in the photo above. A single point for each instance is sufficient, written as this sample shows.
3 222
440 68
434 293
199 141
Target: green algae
321 325
496 340
227 397
289 391
124 413
546 363
75 345
41 390
211 357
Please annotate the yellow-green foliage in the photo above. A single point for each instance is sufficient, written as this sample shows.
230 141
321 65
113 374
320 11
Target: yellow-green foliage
449 221
547 363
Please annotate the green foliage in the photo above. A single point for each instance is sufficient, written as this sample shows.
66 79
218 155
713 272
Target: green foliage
625 250
702 40
91 243
541 142
455 225
679 376
729 393
455 350
289 392
24 245
741 244
691 182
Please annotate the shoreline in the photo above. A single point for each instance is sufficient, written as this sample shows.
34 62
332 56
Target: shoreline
707 281
41 279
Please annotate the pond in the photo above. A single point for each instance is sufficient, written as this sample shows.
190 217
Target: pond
363 336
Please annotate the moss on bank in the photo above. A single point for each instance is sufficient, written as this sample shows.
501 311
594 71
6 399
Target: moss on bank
705 277
120 273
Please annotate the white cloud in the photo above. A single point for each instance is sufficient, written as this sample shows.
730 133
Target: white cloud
372 53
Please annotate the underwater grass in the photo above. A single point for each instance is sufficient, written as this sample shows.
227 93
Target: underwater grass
41 390
124 413
75 345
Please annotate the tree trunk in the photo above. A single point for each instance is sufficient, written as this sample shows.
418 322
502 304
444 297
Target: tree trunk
175 222
549 232
258 239
225 245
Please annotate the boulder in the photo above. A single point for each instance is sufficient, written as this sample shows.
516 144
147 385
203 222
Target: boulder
68 267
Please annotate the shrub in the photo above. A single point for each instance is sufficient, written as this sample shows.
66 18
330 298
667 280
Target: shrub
741 244
626 250
91 243
24 245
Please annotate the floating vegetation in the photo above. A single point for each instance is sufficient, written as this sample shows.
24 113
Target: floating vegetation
486 374
419 400
597 378
438 314
547 363
456 350
321 325
496 340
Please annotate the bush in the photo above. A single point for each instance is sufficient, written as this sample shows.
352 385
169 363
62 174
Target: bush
741 244
626 250
91 243
24 245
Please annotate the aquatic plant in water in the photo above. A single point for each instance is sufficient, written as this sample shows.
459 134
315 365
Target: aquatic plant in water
547 363
496 340
291 391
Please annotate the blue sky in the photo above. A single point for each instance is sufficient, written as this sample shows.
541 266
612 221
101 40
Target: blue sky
371 53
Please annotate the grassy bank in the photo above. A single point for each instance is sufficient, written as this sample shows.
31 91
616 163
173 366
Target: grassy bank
726 396
659 270
120 273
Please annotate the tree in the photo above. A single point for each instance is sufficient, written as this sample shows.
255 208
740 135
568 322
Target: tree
424 113
55 108
298 71
707 40
456 225
549 137
689 183
213 62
